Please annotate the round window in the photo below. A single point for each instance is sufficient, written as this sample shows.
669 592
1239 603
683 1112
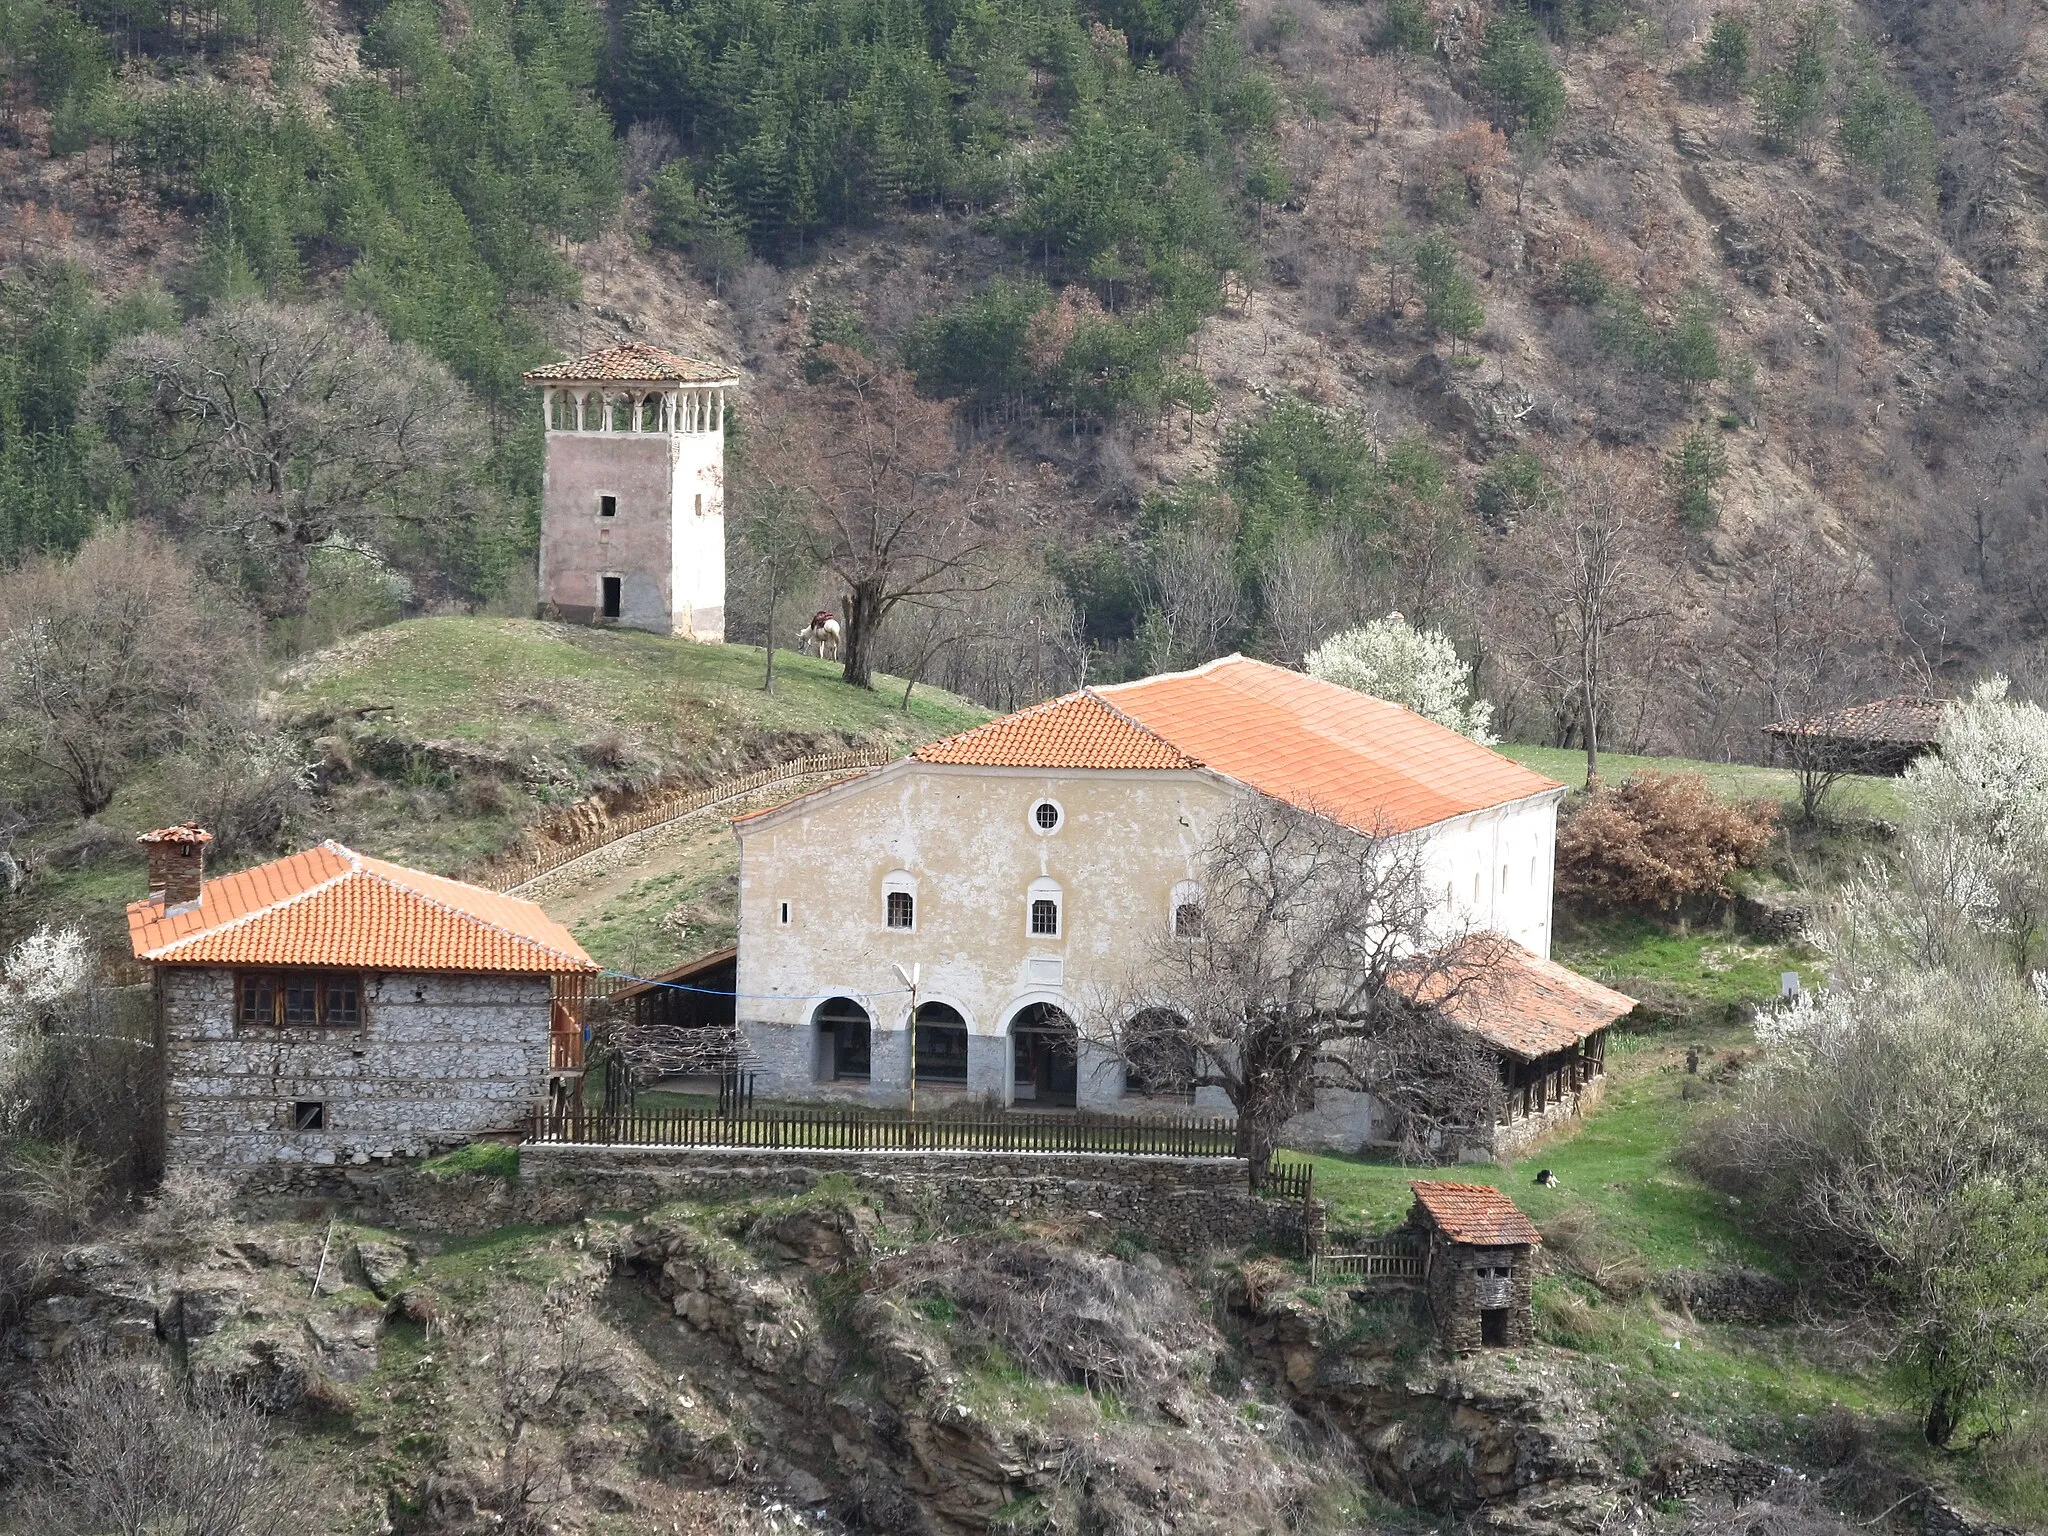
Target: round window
1046 815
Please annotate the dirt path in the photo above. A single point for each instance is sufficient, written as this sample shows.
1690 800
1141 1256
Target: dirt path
617 883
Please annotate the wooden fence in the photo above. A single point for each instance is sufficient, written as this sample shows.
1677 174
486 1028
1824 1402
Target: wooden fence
510 875
1398 1259
854 1131
1288 1181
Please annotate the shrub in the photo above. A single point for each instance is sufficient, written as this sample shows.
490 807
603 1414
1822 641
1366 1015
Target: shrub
1516 74
1406 25
1657 841
1693 471
1419 669
1723 68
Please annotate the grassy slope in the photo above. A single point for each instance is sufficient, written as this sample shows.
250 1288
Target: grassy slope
446 737
1856 795
558 711
1767 1388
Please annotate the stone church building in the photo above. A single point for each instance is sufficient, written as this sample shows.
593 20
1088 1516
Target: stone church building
633 491
1024 868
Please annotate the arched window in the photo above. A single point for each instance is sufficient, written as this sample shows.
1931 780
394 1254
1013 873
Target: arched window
899 901
843 1037
941 1044
1044 916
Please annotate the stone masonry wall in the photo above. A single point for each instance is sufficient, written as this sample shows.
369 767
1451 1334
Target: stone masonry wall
1455 1293
438 1060
1182 1206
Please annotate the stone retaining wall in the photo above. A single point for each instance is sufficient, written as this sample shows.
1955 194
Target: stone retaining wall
1179 1205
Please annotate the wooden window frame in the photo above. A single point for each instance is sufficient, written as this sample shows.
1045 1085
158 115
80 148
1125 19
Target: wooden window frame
889 901
279 983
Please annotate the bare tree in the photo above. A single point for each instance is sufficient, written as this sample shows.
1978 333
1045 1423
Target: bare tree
777 539
277 428
1591 566
121 654
1196 606
895 503
1810 639
542 1358
118 1444
1307 593
1315 950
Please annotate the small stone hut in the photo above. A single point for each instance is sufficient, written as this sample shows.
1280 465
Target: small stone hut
333 1008
1478 1270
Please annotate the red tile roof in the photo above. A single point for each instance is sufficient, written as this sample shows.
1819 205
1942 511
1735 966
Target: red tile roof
1079 730
189 832
332 906
635 362
1477 1214
1326 748
1905 722
1525 1005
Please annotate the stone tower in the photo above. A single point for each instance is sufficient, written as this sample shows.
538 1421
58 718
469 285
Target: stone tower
632 521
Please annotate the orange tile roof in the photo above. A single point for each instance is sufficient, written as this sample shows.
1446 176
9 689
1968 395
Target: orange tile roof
1477 1214
1079 730
332 906
1324 747
635 362
1526 1005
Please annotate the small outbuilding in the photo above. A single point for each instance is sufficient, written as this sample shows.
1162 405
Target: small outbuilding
333 1008
1880 737
1479 1265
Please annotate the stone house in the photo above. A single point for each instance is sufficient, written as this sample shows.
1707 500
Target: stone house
331 1008
1478 1265
632 523
1023 868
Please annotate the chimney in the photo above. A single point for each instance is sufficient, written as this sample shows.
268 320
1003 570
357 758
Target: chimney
177 864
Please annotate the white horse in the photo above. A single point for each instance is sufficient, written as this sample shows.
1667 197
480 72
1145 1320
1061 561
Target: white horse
821 637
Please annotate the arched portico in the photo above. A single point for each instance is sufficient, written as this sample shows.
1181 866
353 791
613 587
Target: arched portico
1045 1056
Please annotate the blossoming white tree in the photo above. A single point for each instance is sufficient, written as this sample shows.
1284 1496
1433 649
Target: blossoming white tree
1419 668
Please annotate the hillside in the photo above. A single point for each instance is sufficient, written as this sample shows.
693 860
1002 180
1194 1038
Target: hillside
440 742
1801 321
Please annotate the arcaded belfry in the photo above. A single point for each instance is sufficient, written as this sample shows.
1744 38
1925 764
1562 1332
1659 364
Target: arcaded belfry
633 497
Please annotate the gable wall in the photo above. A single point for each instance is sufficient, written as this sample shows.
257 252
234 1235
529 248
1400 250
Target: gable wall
439 1059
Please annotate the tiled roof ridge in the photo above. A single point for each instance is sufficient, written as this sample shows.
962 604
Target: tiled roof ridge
352 865
1142 728
1084 694
454 911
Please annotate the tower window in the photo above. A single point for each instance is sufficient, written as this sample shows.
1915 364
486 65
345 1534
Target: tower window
309 1115
700 503
785 914
611 597
607 506
901 908
1046 815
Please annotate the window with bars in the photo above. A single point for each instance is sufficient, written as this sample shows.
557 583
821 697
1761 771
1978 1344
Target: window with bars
299 999
900 909
1187 920
1045 917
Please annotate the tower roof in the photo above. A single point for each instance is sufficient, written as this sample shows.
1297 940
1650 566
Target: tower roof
637 362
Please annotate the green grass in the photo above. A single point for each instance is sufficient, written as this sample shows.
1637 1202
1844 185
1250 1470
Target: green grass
1857 795
1620 1166
497 1158
514 682
633 931
1710 975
